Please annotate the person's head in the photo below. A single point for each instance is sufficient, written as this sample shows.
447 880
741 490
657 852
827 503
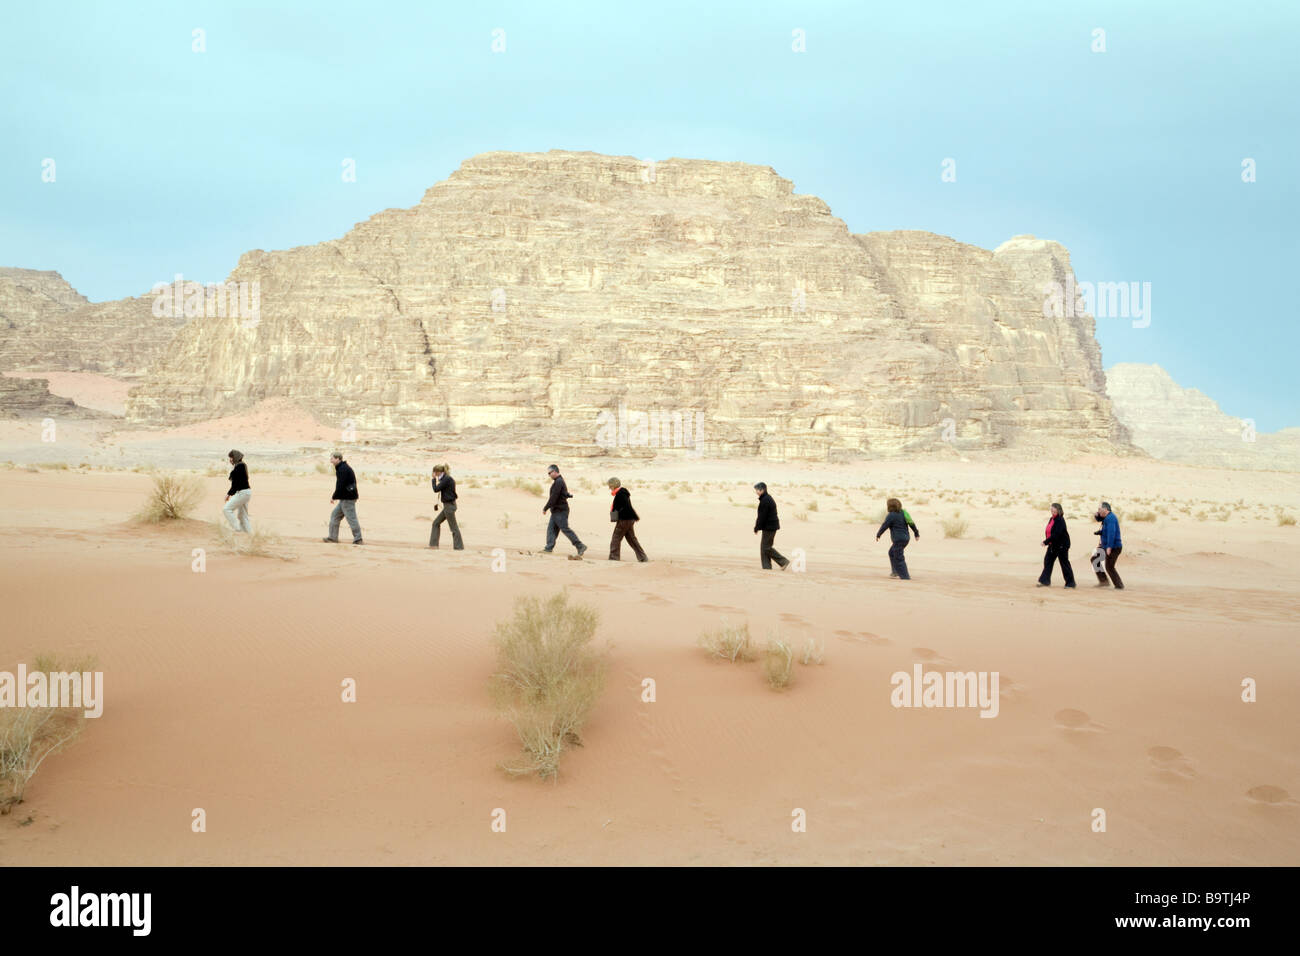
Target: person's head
1104 509
236 456
760 489
615 483
893 504
439 469
1056 510
553 471
336 458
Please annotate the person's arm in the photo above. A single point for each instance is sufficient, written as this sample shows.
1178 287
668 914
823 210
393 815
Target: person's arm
883 525
911 524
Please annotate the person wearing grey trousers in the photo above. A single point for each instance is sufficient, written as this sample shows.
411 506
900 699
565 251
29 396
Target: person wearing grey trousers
344 500
444 485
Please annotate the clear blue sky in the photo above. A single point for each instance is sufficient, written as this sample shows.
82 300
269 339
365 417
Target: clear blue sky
172 161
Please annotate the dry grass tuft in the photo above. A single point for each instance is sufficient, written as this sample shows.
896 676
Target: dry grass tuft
258 543
730 643
813 652
30 734
548 678
778 664
954 527
1141 516
171 498
1285 520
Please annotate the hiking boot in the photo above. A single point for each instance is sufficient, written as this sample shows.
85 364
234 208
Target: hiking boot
358 541
331 540
582 549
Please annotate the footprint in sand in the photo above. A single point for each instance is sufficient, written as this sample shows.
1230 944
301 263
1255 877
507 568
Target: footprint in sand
1070 719
720 608
651 598
925 654
874 638
1270 795
792 619
1169 760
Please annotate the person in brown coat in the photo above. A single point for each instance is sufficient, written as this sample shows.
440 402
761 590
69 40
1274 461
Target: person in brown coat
625 518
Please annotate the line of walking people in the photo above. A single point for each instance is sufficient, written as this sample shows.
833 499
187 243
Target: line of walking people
897 521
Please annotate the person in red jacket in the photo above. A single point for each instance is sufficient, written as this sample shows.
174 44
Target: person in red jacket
1057 541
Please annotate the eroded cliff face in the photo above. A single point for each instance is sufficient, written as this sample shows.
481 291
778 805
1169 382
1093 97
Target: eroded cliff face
529 293
47 325
1185 425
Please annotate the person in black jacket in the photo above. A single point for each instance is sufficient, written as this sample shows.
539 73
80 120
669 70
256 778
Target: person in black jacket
1057 541
557 503
444 485
769 524
625 518
898 522
237 498
344 500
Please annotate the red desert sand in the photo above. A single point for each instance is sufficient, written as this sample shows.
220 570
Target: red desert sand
223 687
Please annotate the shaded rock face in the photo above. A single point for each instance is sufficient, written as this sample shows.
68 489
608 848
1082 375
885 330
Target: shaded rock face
31 398
530 293
1185 425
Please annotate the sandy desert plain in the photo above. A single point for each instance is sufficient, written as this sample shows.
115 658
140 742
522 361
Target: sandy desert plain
222 688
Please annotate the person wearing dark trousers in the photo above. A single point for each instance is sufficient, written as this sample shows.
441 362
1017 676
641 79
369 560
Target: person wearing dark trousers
444 486
237 498
557 503
1111 544
898 522
1057 541
625 518
768 524
344 500
1099 554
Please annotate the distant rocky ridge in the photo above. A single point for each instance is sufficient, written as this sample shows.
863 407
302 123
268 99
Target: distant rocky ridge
1185 425
529 293
46 325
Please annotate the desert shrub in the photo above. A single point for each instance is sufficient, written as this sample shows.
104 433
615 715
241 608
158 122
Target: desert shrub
730 642
1141 516
812 505
504 523
778 664
1285 520
28 735
523 484
53 465
801 516
547 679
171 498
258 543
954 527
323 469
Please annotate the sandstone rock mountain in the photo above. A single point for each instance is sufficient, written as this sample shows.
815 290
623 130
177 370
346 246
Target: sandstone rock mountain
121 338
1186 425
530 293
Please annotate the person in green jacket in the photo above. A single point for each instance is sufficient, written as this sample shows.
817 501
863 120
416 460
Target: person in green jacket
898 522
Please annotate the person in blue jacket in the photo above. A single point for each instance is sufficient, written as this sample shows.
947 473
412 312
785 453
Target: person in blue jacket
1111 544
